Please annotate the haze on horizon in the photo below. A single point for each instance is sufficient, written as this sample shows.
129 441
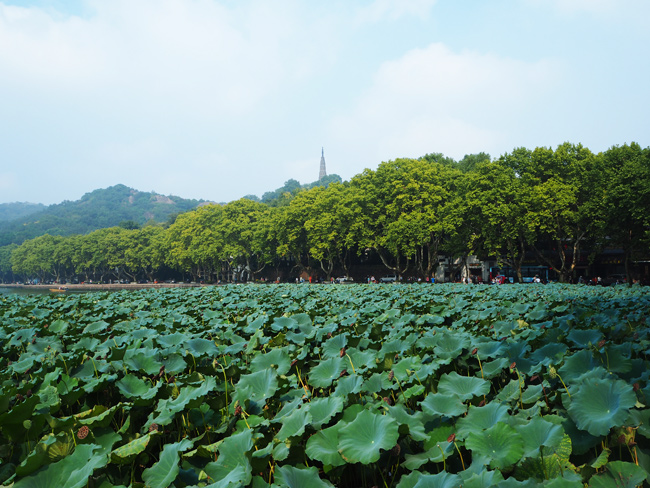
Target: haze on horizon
211 99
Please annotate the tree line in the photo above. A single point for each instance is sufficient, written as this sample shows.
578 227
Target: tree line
560 205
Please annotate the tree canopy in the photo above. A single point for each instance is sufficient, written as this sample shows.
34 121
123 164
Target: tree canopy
558 205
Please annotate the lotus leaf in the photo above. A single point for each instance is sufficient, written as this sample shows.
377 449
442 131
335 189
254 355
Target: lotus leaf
290 477
577 364
539 432
510 391
174 364
552 353
283 324
406 367
481 418
142 360
172 340
619 475
125 454
482 479
513 483
46 450
464 387
59 327
95 327
493 368
133 387
168 408
585 337
332 347
500 445
450 346
198 347
323 409
294 424
233 465
257 386
281 451
551 462
599 405
532 393
362 439
322 375
362 360
489 349
443 405
276 358
73 471
164 472
409 420
424 480
323 447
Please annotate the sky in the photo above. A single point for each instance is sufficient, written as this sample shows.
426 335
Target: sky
217 99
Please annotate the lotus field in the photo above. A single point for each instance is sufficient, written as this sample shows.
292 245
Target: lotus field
319 385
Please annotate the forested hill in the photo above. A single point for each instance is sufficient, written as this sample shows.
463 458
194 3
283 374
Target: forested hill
17 210
99 209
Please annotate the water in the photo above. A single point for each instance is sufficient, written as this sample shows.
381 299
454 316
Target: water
34 291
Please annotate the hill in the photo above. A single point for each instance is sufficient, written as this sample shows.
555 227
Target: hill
17 210
101 208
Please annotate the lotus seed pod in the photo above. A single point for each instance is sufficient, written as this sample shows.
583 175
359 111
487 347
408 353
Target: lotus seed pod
83 431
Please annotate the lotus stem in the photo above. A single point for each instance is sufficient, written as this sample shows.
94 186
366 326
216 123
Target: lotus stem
399 383
460 454
521 401
95 367
303 384
480 366
565 387
444 463
350 359
225 379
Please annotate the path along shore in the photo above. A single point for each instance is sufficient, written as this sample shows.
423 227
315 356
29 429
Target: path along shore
102 286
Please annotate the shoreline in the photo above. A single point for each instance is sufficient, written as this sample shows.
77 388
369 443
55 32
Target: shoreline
102 286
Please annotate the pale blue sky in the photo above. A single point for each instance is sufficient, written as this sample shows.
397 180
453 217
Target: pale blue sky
215 99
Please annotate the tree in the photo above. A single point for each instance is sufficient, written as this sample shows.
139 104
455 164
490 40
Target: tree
245 228
496 203
6 273
566 189
627 201
328 225
194 243
36 258
402 212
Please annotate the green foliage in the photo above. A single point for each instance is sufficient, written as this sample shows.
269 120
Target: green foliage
342 386
562 205
95 210
17 210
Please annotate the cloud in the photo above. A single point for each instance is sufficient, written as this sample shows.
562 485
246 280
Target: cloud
394 9
437 100
627 11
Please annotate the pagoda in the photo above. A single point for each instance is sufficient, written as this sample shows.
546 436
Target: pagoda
323 172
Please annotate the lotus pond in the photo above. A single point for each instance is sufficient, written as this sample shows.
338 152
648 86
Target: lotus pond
313 386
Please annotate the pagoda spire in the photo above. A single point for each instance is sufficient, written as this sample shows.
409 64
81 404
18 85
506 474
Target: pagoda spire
323 172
